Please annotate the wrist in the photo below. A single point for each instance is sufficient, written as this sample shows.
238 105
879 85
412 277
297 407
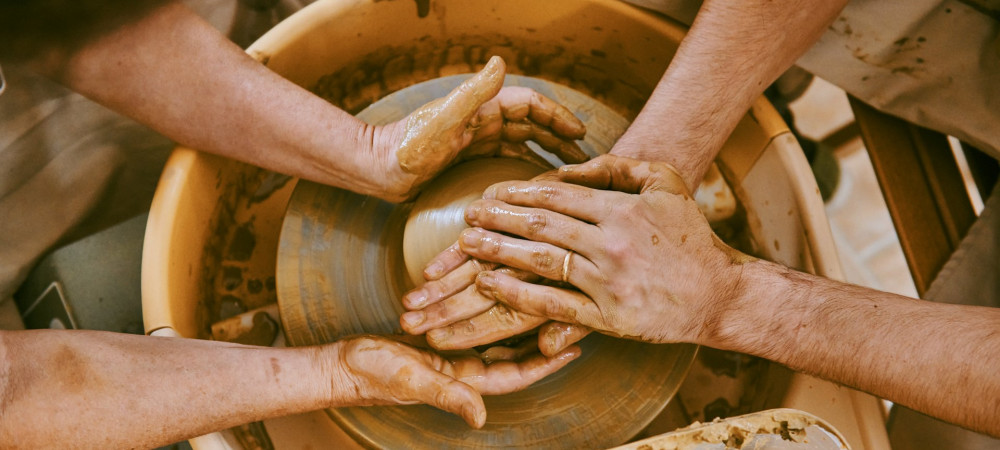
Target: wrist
396 185
762 315
334 383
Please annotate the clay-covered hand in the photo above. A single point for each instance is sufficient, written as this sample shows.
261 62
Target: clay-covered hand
370 370
479 118
455 315
645 262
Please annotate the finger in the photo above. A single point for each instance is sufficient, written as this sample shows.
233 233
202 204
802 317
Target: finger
540 258
531 223
452 283
504 377
551 175
445 262
503 353
505 149
466 99
499 322
624 174
554 337
523 152
518 103
566 149
434 388
553 303
580 202
462 305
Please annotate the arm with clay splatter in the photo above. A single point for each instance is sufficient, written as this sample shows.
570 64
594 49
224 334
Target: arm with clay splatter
57 387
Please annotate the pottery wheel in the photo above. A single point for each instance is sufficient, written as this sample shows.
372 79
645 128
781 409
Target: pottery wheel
341 271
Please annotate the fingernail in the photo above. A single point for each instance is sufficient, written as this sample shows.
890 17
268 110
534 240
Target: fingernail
471 238
416 298
556 341
434 270
490 193
413 318
438 336
570 353
486 281
481 418
471 213
494 64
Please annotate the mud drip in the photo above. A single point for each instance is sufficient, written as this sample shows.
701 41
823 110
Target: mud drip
238 274
423 8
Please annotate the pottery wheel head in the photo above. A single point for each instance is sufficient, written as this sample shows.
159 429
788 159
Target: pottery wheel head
345 260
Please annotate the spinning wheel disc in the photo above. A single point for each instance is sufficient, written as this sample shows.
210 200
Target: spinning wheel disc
341 271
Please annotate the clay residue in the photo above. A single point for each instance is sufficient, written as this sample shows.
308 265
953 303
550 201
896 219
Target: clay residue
786 424
431 127
391 68
238 258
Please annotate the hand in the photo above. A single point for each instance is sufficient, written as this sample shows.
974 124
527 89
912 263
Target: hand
479 118
455 315
370 370
645 260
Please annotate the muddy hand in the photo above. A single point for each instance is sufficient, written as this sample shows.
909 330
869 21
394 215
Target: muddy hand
369 370
645 262
455 315
479 118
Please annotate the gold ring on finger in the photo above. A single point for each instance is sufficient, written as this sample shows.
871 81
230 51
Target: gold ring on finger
565 270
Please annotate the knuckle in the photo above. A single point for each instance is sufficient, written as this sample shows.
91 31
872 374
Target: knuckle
491 245
547 194
513 297
505 317
552 306
541 259
536 223
617 249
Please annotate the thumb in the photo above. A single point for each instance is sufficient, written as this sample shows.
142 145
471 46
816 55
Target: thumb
620 173
472 93
448 394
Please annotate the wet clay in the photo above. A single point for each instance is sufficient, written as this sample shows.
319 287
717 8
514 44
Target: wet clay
787 425
438 215
433 128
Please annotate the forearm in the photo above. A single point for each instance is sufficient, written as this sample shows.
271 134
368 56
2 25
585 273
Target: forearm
940 359
732 53
58 386
177 74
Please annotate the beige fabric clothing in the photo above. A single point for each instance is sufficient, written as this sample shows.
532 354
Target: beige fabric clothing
70 167
67 167
932 62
